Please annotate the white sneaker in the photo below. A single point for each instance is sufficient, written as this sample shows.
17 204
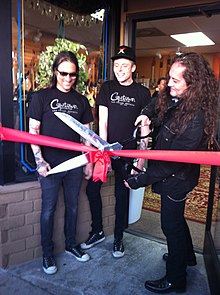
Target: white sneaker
78 253
49 265
93 239
118 249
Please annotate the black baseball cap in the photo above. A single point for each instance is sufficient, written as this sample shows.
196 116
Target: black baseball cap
124 52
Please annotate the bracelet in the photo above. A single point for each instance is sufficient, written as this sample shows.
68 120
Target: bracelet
144 125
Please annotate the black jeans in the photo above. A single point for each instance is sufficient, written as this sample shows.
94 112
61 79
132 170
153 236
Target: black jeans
179 241
121 205
50 186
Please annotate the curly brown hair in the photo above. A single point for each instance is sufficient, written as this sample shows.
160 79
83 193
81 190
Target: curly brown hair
201 95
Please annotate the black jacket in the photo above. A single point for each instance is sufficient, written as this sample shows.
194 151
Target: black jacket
173 178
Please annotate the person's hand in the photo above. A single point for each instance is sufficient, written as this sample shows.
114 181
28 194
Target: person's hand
42 168
134 181
88 171
143 119
126 184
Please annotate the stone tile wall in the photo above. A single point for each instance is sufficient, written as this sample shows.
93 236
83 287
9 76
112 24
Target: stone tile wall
20 206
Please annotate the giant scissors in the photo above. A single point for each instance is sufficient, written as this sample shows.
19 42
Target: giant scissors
88 135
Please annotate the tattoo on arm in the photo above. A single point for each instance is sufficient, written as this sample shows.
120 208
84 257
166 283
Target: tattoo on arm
37 154
143 144
34 128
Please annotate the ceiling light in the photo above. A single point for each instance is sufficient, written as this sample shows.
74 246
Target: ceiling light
193 39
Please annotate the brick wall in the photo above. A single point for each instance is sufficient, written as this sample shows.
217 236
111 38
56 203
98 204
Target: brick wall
20 206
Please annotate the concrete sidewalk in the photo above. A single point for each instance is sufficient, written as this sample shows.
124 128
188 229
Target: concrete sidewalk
103 274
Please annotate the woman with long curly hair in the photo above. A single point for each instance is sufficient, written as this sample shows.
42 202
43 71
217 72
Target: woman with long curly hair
188 119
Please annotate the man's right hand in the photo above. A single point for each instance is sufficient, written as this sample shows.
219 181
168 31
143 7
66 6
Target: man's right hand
42 168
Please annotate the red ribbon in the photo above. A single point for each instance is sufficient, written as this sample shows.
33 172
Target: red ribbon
193 157
25 137
101 159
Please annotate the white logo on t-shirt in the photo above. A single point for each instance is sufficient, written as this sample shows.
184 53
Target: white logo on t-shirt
58 106
122 100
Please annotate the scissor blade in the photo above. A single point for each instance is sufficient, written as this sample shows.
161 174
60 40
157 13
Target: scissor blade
82 130
70 164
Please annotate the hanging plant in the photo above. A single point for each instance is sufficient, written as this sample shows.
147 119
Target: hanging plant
44 68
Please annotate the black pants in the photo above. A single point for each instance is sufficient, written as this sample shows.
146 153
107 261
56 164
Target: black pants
178 236
121 205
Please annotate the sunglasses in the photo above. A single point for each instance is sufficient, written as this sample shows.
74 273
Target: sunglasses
65 74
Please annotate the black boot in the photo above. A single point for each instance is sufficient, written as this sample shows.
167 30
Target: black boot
190 261
163 286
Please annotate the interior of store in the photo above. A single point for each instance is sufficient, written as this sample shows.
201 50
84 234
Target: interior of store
41 23
154 46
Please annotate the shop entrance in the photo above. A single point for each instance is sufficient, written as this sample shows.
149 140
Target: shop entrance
155 50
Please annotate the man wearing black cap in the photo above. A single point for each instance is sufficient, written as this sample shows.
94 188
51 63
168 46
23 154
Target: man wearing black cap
119 102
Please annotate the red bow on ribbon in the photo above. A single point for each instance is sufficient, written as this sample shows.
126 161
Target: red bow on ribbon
101 160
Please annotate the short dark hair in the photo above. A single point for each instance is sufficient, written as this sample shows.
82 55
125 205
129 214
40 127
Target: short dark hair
61 57
160 79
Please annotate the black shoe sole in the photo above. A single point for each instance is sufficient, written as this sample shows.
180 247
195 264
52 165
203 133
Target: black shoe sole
166 290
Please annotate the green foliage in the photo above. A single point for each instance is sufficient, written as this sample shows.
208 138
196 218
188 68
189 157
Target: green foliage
44 68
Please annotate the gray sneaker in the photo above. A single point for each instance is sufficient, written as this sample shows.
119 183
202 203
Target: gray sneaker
93 239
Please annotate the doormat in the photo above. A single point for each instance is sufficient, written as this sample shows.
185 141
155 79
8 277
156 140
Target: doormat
196 203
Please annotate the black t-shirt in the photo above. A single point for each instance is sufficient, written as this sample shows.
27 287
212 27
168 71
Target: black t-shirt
124 105
42 107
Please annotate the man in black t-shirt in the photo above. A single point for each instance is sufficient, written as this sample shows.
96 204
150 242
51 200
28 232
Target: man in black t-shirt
60 97
119 102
